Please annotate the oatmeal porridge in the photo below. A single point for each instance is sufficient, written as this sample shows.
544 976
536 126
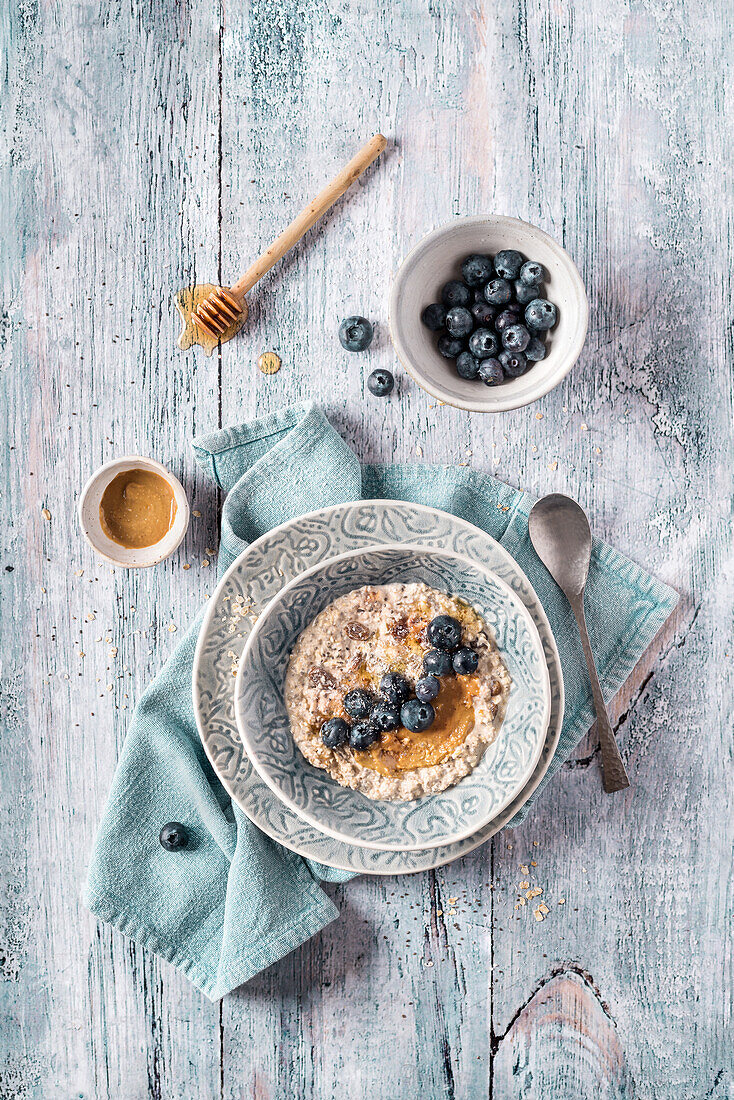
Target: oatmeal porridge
396 690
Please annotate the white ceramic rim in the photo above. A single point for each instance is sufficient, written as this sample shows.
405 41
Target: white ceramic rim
150 555
520 609
479 838
500 403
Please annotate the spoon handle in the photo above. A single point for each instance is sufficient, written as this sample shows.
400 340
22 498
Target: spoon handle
614 777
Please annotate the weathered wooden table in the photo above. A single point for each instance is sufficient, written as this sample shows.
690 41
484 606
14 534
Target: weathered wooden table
150 145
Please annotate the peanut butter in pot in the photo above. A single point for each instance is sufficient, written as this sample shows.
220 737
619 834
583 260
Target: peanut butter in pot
137 509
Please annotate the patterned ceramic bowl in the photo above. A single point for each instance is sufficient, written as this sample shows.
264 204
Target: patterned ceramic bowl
346 814
434 261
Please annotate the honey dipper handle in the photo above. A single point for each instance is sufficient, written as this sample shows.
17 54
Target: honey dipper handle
311 214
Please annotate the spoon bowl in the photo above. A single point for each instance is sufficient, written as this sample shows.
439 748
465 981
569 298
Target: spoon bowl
560 533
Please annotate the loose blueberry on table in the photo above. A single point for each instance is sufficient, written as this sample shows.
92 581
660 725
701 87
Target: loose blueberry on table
355 333
381 382
492 322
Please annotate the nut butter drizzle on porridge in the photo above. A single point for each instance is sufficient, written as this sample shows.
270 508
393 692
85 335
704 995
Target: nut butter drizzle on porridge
351 645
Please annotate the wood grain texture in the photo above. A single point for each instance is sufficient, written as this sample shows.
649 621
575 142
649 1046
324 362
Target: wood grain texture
149 146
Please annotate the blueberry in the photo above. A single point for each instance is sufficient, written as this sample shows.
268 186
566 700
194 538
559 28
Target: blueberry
358 703
483 312
498 292
417 716
174 836
434 316
515 338
459 321
491 372
532 273
466 365
507 317
437 662
525 294
334 733
536 349
465 661
449 347
476 269
394 687
540 315
444 632
355 333
455 293
386 716
362 735
380 383
427 689
514 363
483 343
507 263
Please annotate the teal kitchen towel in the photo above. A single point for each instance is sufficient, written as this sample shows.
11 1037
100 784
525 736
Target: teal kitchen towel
235 901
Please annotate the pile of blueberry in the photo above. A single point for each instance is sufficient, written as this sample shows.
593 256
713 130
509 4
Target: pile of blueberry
397 705
493 320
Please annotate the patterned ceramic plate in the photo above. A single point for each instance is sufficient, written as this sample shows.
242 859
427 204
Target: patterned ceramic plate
432 821
248 585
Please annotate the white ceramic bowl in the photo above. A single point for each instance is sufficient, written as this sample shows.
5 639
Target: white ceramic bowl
92 528
348 815
434 261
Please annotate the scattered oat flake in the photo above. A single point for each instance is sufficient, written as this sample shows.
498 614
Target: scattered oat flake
553 465
524 869
538 416
419 451
524 885
210 552
79 573
91 617
204 563
196 513
536 844
187 566
45 513
543 908
561 901
172 628
538 915
584 428
113 651
533 863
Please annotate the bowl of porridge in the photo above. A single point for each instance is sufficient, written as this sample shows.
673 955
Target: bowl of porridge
395 697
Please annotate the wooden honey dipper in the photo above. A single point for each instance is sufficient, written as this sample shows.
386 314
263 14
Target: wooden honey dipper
224 306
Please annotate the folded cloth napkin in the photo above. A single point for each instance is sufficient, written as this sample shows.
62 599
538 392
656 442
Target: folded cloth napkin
234 901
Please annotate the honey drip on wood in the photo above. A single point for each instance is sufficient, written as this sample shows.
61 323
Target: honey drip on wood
187 300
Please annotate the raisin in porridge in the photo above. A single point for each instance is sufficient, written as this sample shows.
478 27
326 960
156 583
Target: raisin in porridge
396 690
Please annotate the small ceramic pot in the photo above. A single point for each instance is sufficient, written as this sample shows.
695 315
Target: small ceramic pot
434 261
112 552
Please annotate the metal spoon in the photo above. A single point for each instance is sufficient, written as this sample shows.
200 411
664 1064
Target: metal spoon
560 533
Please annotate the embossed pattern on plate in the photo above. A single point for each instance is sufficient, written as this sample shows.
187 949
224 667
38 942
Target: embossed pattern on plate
257 575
